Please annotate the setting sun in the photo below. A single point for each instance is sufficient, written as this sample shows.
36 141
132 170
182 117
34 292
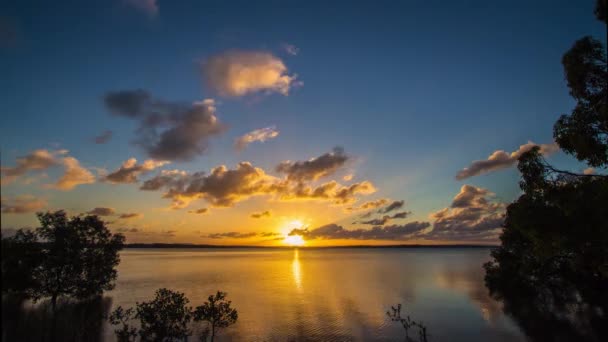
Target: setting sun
294 240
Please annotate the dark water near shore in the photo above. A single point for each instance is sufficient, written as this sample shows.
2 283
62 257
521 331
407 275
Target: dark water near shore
326 294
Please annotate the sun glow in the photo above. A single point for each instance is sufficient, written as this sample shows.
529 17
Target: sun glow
294 240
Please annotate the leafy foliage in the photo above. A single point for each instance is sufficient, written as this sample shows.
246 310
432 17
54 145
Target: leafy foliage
217 311
551 270
168 317
73 257
122 317
584 133
165 318
20 256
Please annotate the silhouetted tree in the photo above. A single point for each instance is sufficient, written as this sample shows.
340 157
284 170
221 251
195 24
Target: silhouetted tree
395 315
551 270
584 133
168 317
75 257
165 318
217 312
122 317
20 256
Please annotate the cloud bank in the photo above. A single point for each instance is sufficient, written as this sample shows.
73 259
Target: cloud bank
223 187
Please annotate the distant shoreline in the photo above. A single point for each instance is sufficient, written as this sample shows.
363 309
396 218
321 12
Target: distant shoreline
198 246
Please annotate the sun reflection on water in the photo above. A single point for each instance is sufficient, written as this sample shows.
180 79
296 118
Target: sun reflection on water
296 270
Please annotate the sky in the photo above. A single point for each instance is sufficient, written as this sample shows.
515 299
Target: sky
281 122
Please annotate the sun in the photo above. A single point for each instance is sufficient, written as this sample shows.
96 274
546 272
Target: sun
294 240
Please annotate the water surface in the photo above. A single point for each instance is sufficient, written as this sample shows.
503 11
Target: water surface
337 294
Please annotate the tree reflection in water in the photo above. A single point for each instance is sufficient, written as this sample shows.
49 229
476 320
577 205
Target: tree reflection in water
75 320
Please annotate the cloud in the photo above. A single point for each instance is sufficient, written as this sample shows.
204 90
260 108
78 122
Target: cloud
500 159
377 221
334 231
262 214
369 205
291 49
589 171
167 130
239 235
101 211
393 206
149 7
22 204
385 219
233 235
223 187
127 230
237 73
130 170
104 137
261 135
471 216
199 211
127 216
36 160
73 175
314 168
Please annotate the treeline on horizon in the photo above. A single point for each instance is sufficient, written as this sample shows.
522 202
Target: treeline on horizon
189 245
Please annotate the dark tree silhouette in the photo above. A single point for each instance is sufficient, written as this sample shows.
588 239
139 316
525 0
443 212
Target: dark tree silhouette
74 257
551 270
165 318
122 318
20 256
79 256
168 317
217 312
584 133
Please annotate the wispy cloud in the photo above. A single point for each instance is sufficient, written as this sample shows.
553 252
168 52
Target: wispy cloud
262 214
104 137
22 204
129 171
261 135
500 159
37 160
291 49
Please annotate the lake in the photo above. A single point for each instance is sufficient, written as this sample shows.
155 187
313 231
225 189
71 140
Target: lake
332 294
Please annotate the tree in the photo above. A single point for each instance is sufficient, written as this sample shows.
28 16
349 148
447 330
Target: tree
165 318
20 256
75 257
122 317
584 133
551 270
217 312
168 317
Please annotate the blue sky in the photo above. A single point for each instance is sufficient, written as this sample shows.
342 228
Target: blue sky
414 91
